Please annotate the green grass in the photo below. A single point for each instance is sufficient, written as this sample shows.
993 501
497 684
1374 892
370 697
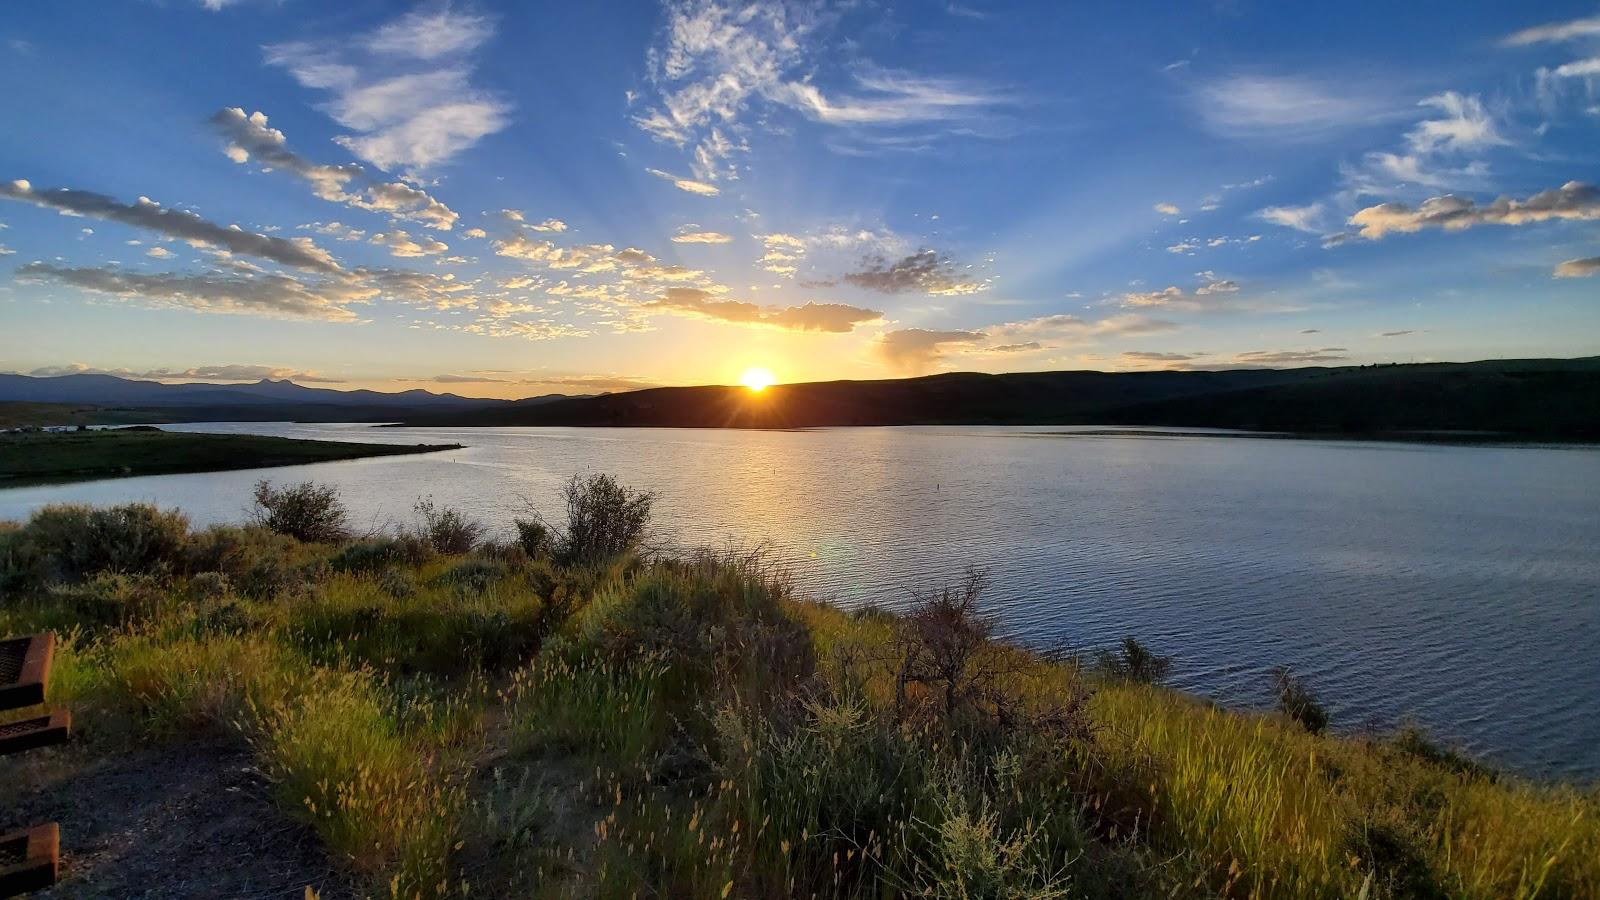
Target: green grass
38 457
495 725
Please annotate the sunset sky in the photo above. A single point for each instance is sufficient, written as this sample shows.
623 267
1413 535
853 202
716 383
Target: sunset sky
514 199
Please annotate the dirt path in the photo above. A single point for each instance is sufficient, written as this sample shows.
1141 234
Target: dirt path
179 821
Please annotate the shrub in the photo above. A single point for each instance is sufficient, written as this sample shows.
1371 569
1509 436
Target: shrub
938 641
397 583
445 529
1297 701
604 520
70 542
114 599
377 554
307 511
1133 661
534 538
233 551
209 586
473 574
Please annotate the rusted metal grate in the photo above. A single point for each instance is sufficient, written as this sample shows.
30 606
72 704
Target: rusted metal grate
24 670
29 860
12 653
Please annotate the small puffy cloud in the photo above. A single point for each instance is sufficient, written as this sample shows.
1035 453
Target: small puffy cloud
1555 32
701 237
1214 285
475 233
1579 268
402 244
1167 209
923 272
687 184
549 225
300 253
1573 200
158 253
337 230
1301 218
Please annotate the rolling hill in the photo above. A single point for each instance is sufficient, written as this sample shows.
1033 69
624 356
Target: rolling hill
1544 398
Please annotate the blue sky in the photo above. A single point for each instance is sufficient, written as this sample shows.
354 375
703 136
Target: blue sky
520 198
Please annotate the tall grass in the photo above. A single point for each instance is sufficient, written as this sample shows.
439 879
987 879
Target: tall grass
454 717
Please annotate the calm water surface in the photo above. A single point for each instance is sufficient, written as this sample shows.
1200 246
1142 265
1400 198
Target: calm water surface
1459 586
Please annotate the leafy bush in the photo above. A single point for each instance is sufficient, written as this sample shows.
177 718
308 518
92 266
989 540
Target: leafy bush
604 520
445 529
473 574
1297 701
1133 661
377 554
70 542
397 583
307 511
534 537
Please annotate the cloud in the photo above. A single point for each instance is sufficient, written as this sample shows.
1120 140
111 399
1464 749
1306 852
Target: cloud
270 295
1167 209
430 35
1396 333
701 237
923 272
1579 268
158 253
1059 329
593 383
1270 358
1555 32
145 213
715 59
687 184
1215 285
196 373
337 230
916 350
1024 347
1466 125
549 225
464 379
404 90
475 233
1300 218
1147 356
1573 200
1288 107
833 318
403 244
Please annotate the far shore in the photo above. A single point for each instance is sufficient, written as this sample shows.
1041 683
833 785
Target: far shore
52 457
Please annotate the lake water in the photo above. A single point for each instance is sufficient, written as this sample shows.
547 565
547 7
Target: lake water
1459 586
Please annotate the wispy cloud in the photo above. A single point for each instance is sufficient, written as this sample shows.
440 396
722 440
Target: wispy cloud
194 373
837 318
1308 218
268 295
301 253
687 184
405 89
1555 32
1579 268
1289 107
714 60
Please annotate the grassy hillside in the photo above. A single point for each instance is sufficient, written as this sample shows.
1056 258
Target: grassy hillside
1545 398
564 717
34 457
20 415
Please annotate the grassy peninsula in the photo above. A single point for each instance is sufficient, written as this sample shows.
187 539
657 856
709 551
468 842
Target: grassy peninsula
32 457
428 713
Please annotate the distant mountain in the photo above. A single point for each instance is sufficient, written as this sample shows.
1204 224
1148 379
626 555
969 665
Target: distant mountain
111 390
109 399
1551 398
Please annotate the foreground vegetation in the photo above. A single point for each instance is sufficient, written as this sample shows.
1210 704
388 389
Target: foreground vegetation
28 457
567 716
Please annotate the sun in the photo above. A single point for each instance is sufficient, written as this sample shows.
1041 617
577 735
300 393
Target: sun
757 379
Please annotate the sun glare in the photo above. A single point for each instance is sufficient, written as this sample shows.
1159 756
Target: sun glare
757 379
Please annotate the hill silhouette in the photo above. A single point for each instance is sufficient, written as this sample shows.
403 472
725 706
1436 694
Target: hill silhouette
1543 398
